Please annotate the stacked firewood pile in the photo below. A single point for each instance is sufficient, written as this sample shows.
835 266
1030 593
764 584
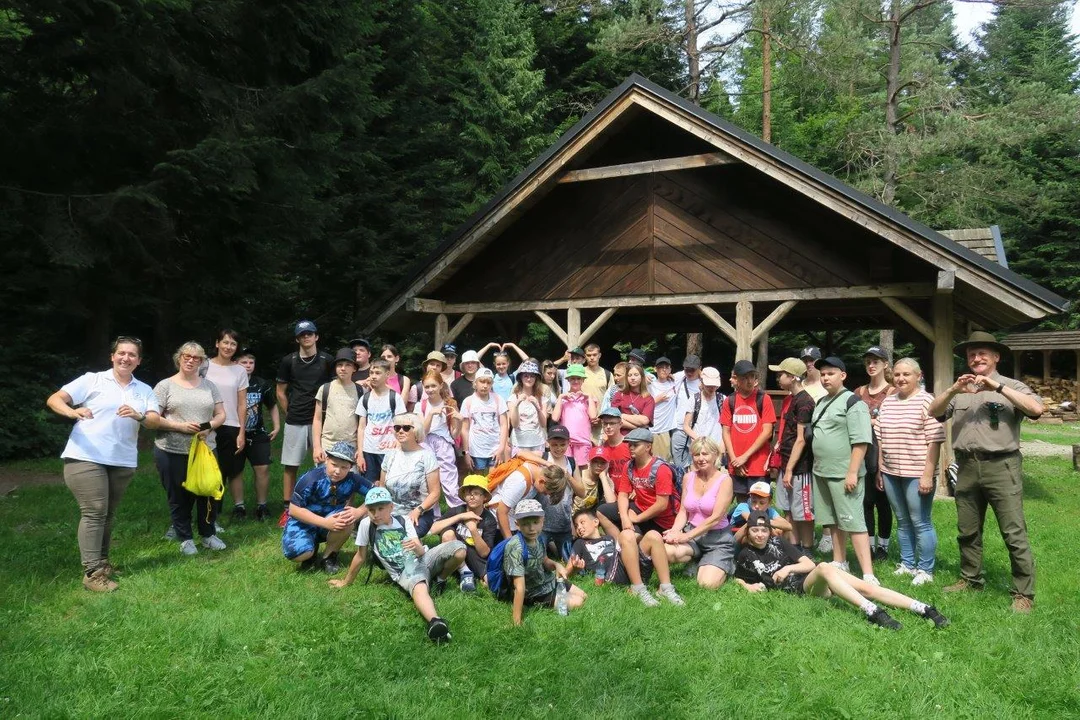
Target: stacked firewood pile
1059 395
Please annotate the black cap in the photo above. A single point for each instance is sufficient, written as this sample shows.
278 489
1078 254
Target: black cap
758 517
878 352
637 355
692 361
345 354
558 432
360 341
744 367
449 349
662 360
810 352
831 361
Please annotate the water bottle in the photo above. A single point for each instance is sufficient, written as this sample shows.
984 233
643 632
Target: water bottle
562 594
411 563
601 573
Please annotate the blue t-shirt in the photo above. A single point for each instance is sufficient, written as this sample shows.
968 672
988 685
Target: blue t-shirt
503 385
736 517
316 493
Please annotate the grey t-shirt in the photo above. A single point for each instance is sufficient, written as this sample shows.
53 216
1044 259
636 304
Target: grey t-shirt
181 404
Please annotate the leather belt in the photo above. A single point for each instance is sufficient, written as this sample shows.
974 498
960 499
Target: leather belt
984 454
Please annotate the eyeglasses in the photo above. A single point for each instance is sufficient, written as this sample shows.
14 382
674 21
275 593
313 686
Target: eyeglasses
402 428
188 358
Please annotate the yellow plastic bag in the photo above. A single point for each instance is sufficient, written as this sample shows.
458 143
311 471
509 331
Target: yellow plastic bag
203 473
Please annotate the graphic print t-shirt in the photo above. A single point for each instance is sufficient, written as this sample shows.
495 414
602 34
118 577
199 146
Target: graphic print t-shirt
484 423
757 566
388 539
597 552
260 394
379 431
539 581
745 426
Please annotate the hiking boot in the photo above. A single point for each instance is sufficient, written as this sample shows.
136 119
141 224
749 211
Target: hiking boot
331 565
188 547
239 512
108 569
262 513
879 554
669 593
940 621
1022 604
284 518
922 578
98 581
170 534
960 586
213 543
883 619
468 583
645 596
438 631
903 569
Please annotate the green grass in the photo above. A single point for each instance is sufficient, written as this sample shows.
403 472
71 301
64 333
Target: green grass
241 634
1067 434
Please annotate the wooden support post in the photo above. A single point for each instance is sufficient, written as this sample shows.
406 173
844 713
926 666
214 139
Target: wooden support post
770 321
912 318
763 360
744 330
1017 354
724 326
1076 457
596 325
441 330
553 326
1077 378
573 327
459 327
943 372
1046 366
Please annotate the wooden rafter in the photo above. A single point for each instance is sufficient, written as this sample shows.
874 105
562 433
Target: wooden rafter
646 167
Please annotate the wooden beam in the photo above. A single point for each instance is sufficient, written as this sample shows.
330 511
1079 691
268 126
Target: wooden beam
912 318
595 325
441 330
763 359
725 327
900 290
458 328
546 319
771 319
573 327
946 281
648 166
744 330
943 311
1046 366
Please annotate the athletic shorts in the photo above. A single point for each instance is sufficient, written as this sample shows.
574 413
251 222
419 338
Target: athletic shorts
715 548
538 601
835 506
229 461
740 484
297 446
430 566
300 537
799 500
793 584
257 451
644 564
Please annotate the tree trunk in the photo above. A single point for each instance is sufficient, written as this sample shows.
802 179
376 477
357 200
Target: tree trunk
892 104
693 62
766 76
693 344
887 341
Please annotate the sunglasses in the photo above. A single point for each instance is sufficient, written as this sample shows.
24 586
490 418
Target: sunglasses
402 428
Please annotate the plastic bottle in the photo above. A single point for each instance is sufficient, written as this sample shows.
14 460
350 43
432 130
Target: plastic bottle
562 595
601 573
411 563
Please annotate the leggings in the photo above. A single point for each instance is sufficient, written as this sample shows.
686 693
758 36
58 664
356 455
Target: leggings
448 472
879 500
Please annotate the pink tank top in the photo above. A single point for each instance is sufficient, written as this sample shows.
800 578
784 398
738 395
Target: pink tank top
700 507
575 416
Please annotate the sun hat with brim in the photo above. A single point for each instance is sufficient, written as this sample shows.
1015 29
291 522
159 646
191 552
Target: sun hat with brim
343 450
980 339
576 371
476 481
638 435
791 366
377 496
529 367
469 356
528 509
436 356
345 355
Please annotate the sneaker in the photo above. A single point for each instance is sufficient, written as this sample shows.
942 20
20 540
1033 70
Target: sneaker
940 621
284 518
170 534
903 569
691 569
262 513
825 546
879 554
438 587
961 585
98 581
331 565
188 547
883 619
438 631
840 565
922 578
218 530
239 512
871 579
1022 604
468 584
213 543
312 563
645 596
669 593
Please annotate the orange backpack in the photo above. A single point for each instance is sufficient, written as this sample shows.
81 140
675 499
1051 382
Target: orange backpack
503 470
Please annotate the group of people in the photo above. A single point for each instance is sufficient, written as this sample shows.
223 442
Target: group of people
522 479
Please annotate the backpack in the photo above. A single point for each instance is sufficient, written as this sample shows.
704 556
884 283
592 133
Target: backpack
719 403
808 434
569 459
324 395
676 478
364 401
500 472
496 578
759 396
372 529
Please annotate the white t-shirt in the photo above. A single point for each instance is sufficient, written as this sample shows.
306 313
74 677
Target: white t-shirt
664 413
379 431
511 491
484 423
406 477
106 439
438 419
528 433
230 380
708 420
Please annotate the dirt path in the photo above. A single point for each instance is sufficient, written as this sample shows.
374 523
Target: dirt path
11 480
1041 448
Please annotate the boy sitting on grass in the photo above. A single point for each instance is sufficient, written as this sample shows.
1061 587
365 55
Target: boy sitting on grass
615 561
319 510
407 561
534 577
772 563
473 524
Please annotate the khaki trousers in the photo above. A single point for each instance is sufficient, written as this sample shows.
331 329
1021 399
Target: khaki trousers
97 489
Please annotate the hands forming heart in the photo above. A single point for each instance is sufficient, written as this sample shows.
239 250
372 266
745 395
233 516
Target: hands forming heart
971 383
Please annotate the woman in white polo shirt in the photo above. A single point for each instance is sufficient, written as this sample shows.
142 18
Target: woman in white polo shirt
102 451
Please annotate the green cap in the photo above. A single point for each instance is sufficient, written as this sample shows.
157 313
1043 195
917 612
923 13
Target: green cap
576 371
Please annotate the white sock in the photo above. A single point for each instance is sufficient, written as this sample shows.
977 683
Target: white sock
868 607
917 607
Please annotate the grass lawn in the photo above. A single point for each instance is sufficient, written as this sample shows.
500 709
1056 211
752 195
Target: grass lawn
241 634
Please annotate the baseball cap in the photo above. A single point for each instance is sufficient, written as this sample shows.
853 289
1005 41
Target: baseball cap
528 509
469 356
377 496
792 366
578 350
662 360
637 355
597 454
304 326
485 374
710 377
436 356
529 367
558 432
478 481
638 435
343 450
576 371
611 412
360 341
345 355
449 349
758 518
691 362
761 489
831 361
810 352
744 367
878 352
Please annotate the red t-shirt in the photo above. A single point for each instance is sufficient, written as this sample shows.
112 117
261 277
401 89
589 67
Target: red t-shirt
618 457
645 494
745 427
631 403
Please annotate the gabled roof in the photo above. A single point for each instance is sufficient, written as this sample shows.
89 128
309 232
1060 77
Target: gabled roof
985 241
1030 300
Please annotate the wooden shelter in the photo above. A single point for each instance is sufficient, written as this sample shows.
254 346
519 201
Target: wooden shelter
653 208
1046 343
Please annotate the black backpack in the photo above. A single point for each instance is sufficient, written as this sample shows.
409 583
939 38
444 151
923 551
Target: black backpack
367 394
760 397
719 404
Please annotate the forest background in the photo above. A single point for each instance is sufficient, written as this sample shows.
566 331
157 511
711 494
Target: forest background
169 167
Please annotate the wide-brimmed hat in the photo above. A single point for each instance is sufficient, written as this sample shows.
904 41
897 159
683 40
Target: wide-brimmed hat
980 339
436 356
476 481
528 367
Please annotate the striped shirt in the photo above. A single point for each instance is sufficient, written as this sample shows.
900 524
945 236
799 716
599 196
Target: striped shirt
905 430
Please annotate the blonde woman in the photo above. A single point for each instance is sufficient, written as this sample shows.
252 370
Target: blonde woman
411 473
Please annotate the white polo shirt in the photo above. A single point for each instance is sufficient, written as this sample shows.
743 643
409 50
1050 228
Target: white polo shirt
105 438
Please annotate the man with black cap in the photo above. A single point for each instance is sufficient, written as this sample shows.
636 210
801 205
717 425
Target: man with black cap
449 374
876 360
299 375
812 381
986 409
840 436
362 349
